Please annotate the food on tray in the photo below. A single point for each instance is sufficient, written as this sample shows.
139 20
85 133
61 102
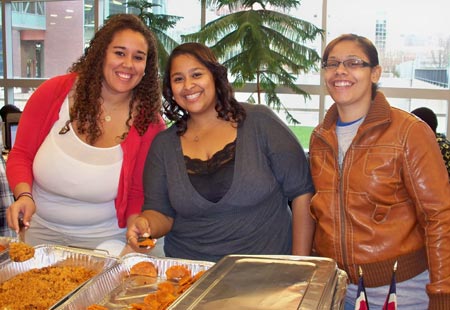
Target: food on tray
40 288
167 286
2 247
177 272
178 280
163 292
144 269
20 251
96 307
185 282
146 242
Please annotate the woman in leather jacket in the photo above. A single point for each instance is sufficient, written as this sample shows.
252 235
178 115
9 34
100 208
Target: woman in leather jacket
382 193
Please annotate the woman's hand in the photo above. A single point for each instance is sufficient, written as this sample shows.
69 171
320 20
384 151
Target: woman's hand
149 223
138 226
22 209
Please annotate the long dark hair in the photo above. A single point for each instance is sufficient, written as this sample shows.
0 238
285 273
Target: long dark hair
227 107
146 98
368 47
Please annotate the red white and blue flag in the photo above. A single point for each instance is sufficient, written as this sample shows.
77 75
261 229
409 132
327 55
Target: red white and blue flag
361 296
391 299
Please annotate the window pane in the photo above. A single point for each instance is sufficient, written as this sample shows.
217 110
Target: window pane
47 37
21 95
413 47
310 11
89 21
1 48
119 6
190 10
439 107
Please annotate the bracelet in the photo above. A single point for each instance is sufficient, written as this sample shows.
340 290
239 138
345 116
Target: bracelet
25 194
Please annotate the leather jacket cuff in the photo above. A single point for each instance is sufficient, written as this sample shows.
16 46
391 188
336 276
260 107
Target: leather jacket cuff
439 301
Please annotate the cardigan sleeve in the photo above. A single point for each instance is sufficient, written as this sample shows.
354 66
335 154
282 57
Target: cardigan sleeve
135 195
39 115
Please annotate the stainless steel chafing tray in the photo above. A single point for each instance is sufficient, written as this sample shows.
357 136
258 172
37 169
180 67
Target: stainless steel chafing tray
51 255
115 289
269 283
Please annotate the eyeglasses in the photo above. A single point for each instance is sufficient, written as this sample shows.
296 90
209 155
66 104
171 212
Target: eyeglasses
352 63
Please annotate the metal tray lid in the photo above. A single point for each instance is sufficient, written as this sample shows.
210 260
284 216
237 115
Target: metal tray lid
263 282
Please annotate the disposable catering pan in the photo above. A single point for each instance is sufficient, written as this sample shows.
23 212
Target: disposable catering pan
4 245
55 255
115 289
269 283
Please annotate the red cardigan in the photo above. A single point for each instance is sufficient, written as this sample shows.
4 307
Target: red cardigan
38 117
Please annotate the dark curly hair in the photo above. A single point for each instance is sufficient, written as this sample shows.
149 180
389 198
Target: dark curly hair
227 107
146 98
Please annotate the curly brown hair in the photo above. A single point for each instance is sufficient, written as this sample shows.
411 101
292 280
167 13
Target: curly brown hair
227 107
146 98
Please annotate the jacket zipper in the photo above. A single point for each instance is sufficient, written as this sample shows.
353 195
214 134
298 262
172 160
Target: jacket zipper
342 213
341 200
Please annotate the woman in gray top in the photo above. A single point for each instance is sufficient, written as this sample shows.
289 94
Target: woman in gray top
219 180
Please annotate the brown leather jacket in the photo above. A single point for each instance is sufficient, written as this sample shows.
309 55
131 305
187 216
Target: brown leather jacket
390 202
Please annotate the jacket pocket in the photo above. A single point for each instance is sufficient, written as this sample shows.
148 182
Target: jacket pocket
317 160
381 162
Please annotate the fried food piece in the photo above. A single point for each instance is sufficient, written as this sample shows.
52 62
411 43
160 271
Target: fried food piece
151 300
186 282
177 272
165 299
2 247
141 306
96 307
167 286
20 251
146 242
144 269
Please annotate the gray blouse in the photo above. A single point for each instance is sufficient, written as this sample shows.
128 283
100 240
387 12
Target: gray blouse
253 217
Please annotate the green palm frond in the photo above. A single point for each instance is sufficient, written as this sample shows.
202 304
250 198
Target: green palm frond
237 4
262 46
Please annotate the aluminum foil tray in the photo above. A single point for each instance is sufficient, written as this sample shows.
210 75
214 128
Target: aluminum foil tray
4 241
50 255
269 283
112 287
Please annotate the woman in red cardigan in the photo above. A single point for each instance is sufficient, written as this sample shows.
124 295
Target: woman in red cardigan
76 166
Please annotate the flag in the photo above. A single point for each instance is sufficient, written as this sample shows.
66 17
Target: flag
361 296
391 299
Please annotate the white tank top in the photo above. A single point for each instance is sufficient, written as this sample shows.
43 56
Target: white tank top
75 184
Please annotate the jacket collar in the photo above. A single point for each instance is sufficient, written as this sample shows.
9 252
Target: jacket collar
379 112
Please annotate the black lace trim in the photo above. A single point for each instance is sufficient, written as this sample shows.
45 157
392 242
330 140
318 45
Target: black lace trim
198 167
